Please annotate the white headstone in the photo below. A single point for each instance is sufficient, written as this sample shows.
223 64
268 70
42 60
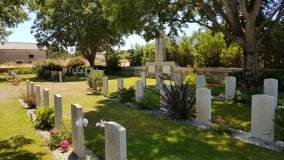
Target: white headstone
115 141
73 71
201 81
52 74
46 97
28 87
203 105
163 94
230 87
271 88
151 69
60 76
105 85
86 72
177 79
119 84
32 88
167 69
158 80
58 110
37 95
77 131
143 78
139 90
262 117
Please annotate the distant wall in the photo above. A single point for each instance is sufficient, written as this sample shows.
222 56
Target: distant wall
25 56
214 75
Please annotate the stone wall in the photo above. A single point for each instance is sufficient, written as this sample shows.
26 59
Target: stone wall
213 75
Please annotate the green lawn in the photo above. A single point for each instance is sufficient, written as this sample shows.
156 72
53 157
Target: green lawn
148 137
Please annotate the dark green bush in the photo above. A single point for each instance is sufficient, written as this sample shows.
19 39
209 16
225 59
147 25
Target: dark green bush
95 81
76 62
244 95
149 101
43 68
279 124
178 100
126 94
112 63
44 117
22 71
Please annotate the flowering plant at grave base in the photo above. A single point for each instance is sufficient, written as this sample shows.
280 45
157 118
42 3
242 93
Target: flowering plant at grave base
219 125
54 131
58 136
64 145
82 121
221 95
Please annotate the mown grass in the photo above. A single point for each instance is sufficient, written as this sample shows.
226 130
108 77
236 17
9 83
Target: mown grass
150 137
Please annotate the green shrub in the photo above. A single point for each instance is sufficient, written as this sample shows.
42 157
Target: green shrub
76 62
44 117
22 71
191 78
136 55
126 94
112 63
279 124
149 102
95 81
43 68
244 94
219 125
178 100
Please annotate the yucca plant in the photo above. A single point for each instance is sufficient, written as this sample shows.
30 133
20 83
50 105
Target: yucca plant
178 100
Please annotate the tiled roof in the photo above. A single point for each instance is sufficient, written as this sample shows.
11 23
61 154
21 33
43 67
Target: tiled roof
19 45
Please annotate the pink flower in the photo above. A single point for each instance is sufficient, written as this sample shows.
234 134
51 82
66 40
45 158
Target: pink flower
221 95
218 120
64 145
53 131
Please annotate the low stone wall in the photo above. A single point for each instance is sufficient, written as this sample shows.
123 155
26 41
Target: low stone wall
214 75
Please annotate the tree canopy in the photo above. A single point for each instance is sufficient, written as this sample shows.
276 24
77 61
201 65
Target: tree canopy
77 23
11 14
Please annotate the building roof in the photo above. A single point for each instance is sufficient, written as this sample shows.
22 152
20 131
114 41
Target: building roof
19 45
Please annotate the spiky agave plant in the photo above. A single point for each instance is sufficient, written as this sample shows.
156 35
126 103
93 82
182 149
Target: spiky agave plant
178 99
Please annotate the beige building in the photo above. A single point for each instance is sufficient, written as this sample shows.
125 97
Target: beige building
21 52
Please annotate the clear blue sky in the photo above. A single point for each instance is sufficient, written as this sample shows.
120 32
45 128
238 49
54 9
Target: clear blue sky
23 33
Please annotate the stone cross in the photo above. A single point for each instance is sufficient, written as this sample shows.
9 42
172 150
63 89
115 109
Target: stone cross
160 49
46 97
119 84
32 89
58 110
203 105
28 87
262 117
77 131
163 94
158 80
230 87
271 88
143 78
37 95
105 85
115 141
139 90
177 79
60 76
201 81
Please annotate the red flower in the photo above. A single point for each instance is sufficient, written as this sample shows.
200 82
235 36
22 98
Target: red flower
243 85
64 145
221 95
54 131
218 120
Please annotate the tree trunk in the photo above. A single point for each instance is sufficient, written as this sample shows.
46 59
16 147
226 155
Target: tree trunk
91 61
250 70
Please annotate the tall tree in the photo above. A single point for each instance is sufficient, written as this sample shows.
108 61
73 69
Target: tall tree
77 23
247 22
11 13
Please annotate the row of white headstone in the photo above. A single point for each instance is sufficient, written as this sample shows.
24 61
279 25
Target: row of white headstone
115 134
81 71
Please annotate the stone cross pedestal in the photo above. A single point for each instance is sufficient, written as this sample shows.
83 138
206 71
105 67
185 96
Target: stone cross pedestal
46 97
139 90
201 81
143 78
271 88
262 117
37 95
158 80
119 84
115 141
105 85
58 110
203 105
77 131
230 87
